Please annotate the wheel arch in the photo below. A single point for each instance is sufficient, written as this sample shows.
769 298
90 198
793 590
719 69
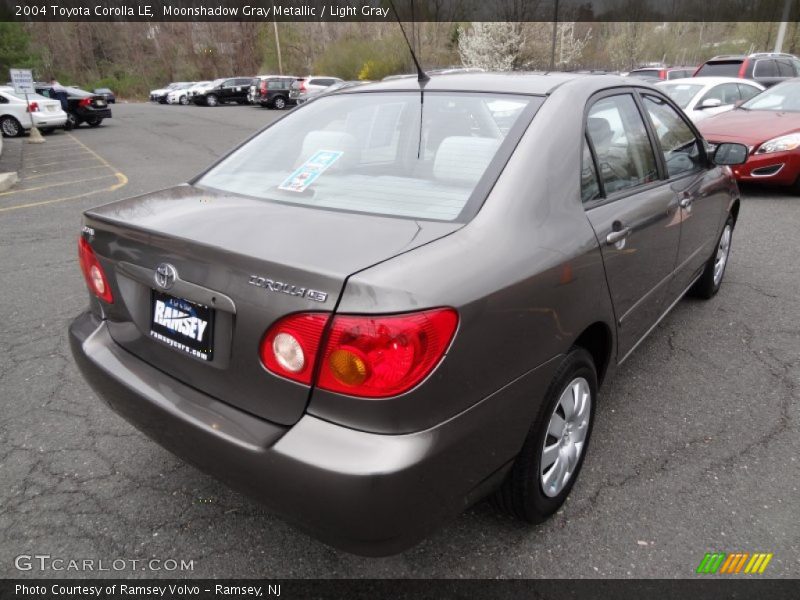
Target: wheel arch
597 340
735 210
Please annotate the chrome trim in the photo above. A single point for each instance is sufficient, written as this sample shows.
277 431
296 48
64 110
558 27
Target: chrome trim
754 174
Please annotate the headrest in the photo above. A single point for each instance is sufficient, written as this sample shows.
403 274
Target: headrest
599 130
463 159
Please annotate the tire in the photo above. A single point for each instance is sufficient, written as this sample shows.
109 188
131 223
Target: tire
524 493
94 122
211 100
11 127
279 103
711 280
184 100
72 121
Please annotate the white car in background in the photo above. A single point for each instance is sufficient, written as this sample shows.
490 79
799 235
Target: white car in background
180 95
16 113
701 97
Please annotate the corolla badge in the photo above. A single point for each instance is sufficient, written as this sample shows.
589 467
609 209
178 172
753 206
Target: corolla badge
287 288
165 276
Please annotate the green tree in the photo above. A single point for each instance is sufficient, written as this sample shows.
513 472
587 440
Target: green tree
16 51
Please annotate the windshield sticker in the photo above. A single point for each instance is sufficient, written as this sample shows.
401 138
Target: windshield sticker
307 173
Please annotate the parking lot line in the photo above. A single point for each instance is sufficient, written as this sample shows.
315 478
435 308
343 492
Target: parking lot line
58 162
121 181
52 185
64 171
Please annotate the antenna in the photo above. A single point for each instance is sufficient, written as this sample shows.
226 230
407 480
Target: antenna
422 76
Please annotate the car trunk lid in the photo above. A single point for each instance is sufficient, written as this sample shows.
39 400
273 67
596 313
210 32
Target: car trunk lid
246 261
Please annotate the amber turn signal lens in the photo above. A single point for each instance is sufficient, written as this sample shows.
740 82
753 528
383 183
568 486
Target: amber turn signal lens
347 366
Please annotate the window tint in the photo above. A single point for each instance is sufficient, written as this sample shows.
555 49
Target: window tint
785 68
678 142
765 68
590 186
721 69
624 155
726 93
748 91
3 100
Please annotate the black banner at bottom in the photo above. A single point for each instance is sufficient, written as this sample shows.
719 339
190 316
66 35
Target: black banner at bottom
358 589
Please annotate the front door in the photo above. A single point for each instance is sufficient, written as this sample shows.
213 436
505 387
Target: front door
635 215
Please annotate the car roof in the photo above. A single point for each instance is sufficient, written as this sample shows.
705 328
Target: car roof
512 82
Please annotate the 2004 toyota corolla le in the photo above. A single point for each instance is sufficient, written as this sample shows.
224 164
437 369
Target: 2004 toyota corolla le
404 296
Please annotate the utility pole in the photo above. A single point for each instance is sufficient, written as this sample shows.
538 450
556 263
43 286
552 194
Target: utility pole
782 27
277 45
555 35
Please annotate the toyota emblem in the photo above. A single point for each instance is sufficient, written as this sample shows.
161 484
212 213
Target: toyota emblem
165 276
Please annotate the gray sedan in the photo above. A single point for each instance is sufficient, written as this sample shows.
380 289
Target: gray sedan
403 297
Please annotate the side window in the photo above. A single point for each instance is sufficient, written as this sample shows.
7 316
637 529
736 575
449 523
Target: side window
3 100
678 143
45 93
765 67
785 68
726 93
590 186
624 155
748 91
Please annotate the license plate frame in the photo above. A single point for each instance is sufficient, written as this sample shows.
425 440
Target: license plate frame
185 326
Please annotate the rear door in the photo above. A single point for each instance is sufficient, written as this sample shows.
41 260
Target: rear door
633 212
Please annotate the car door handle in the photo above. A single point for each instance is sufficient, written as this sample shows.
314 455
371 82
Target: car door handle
618 235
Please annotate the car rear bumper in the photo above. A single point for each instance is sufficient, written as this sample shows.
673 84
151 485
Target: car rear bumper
778 168
97 113
41 119
366 493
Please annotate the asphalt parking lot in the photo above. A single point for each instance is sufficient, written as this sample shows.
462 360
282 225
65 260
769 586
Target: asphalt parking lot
695 449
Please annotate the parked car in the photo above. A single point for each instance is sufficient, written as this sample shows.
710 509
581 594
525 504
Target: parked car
769 125
160 95
311 83
273 92
106 93
662 73
490 282
180 95
81 106
765 68
232 89
303 97
200 87
16 112
702 97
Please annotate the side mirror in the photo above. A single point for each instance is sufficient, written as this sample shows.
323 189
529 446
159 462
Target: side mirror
730 154
710 103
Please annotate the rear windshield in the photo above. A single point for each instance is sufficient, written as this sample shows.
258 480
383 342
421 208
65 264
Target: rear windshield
681 93
729 68
377 153
646 73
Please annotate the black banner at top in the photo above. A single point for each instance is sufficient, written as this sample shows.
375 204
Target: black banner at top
408 10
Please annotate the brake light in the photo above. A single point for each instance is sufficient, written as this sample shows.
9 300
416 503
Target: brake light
93 272
662 74
366 356
84 102
303 87
263 87
743 68
33 107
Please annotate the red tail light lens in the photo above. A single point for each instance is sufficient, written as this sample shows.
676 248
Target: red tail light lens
662 74
93 273
743 68
303 87
84 102
263 86
33 107
366 356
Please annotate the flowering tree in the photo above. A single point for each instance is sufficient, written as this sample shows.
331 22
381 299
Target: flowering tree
491 46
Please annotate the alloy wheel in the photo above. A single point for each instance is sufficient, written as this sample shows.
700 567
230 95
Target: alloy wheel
723 249
11 127
566 436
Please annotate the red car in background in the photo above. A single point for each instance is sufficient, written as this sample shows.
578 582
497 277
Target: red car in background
769 125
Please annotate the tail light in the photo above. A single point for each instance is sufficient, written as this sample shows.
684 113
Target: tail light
303 87
84 102
263 87
662 74
367 356
93 273
33 107
743 68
